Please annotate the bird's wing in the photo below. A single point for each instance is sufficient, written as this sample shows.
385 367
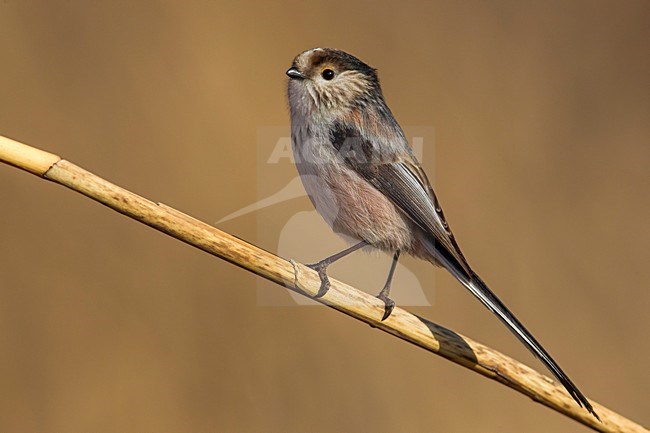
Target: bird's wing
399 177
404 182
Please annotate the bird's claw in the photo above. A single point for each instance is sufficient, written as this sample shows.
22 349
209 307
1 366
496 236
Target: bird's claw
389 305
324 280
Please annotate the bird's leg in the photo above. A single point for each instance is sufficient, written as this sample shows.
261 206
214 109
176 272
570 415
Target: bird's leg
321 267
383 295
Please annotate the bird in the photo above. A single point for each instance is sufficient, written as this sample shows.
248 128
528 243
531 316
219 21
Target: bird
363 178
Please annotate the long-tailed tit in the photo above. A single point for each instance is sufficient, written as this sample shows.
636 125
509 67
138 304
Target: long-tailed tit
363 179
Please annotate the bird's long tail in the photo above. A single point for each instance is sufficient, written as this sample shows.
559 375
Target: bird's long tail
479 289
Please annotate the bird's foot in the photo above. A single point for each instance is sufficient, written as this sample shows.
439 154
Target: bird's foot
389 304
321 268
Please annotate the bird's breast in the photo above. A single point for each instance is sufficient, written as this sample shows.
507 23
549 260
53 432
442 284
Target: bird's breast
348 203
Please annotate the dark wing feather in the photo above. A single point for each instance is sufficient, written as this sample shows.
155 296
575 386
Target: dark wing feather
409 192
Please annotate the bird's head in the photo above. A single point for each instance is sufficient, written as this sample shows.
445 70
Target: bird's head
326 79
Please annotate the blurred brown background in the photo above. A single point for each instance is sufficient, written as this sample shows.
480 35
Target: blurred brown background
541 161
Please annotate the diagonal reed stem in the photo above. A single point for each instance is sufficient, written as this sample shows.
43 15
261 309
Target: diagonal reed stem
297 277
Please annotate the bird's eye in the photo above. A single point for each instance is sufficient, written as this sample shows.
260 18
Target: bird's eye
327 74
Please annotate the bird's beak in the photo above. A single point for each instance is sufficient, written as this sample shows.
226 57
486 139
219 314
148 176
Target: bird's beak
294 73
